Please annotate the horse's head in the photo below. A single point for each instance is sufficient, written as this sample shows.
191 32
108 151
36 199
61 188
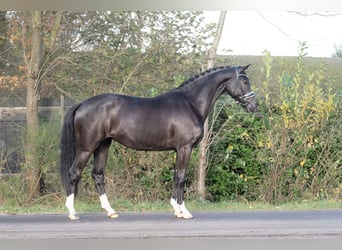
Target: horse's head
238 86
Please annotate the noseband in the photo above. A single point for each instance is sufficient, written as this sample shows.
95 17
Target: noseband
242 99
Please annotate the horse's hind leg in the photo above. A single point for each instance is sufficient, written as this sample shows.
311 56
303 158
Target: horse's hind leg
75 175
100 160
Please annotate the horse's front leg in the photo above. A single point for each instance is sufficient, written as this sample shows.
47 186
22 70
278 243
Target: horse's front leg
177 198
100 160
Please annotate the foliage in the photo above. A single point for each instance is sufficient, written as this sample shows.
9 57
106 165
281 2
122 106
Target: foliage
233 172
132 52
338 51
15 189
292 151
301 125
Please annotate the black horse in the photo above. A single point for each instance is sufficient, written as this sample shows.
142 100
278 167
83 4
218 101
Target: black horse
171 121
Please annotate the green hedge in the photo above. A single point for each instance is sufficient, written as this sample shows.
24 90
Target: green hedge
292 150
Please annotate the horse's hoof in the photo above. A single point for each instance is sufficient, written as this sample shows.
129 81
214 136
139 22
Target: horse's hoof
113 215
187 216
74 217
178 215
184 216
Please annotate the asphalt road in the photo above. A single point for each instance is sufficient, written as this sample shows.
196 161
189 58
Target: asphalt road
325 224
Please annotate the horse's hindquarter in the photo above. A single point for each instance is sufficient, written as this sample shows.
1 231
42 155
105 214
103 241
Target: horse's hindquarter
91 120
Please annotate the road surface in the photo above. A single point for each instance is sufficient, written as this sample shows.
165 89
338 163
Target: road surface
325 224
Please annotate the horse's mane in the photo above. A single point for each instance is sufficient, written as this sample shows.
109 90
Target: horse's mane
202 74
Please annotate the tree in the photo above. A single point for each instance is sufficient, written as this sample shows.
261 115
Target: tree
338 51
137 53
38 39
202 164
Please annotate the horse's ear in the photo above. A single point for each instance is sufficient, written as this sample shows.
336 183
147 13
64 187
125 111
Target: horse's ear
243 68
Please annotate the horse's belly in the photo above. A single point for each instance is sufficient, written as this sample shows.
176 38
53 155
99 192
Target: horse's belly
144 140
140 144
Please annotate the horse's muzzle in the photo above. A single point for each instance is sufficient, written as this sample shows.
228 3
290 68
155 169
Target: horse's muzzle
251 106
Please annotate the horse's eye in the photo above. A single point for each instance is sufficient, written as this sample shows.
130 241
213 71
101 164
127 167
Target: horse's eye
243 78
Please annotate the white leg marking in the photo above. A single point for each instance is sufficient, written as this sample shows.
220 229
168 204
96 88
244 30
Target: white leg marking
106 206
180 210
176 208
70 205
185 212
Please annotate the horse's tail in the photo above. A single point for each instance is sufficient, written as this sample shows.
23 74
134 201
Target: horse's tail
67 147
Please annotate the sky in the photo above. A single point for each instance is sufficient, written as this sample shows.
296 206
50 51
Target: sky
252 32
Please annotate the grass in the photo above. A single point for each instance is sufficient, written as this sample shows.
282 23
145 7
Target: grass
198 206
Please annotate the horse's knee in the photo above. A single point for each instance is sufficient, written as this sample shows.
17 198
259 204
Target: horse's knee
181 183
179 177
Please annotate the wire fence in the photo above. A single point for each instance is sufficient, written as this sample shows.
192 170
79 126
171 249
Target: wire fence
13 127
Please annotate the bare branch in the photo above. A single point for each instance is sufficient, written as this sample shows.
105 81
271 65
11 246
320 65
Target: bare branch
277 27
55 30
130 75
316 13
60 89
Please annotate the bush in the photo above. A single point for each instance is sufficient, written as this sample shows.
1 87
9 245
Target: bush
292 152
233 172
302 123
14 188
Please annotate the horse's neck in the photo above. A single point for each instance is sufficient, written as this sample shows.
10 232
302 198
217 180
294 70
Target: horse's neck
204 93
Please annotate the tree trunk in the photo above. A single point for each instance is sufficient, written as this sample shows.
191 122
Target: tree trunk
32 169
202 164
